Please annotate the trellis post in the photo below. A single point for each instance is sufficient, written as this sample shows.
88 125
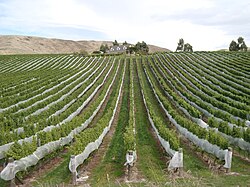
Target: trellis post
73 162
12 181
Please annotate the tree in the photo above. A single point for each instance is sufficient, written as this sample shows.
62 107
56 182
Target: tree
131 49
104 48
125 43
244 46
141 48
240 46
180 45
233 46
144 47
184 47
188 47
240 40
115 43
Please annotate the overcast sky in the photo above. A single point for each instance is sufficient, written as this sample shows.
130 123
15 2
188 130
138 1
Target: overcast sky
205 24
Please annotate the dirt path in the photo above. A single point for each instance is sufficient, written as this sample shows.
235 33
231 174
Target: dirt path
245 158
45 167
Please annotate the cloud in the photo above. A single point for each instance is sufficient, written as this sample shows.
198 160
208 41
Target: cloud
206 24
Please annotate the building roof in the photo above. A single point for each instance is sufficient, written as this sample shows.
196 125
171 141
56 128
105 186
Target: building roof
118 49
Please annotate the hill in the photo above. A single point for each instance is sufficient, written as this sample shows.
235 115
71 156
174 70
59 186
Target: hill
38 45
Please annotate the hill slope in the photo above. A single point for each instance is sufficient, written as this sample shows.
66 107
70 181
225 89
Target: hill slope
39 45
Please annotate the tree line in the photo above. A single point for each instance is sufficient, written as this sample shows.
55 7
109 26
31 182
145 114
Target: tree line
240 46
184 47
138 48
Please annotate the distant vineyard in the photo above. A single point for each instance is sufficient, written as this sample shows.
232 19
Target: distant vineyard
50 101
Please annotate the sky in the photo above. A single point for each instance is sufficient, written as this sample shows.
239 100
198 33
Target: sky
205 24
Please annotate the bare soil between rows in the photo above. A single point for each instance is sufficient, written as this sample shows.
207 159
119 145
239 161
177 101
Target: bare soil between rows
86 169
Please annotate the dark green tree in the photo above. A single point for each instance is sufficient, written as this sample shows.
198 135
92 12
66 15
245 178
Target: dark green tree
240 40
188 47
141 48
184 47
131 49
233 46
104 48
180 45
240 46
144 47
244 46
125 43
115 43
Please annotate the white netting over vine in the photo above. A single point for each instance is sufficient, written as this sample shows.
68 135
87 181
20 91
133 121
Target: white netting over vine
6 147
236 141
44 92
176 157
92 146
11 169
203 144
131 158
176 161
228 159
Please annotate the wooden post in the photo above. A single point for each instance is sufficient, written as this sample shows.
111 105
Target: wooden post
129 172
38 142
73 162
12 181
39 163
129 167
180 159
5 162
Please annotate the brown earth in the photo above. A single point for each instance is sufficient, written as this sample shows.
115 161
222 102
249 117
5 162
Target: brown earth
10 44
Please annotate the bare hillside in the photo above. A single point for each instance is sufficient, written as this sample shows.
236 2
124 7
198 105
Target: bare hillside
153 48
39 45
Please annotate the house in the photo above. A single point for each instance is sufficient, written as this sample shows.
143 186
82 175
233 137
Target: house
118 49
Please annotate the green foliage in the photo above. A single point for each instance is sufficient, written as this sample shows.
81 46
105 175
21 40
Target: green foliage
104 48
240 46
92 133
202 133
188 47
141 48
164 132
233 46
129 135
129 138
184 47
18 151
115 43
125 43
